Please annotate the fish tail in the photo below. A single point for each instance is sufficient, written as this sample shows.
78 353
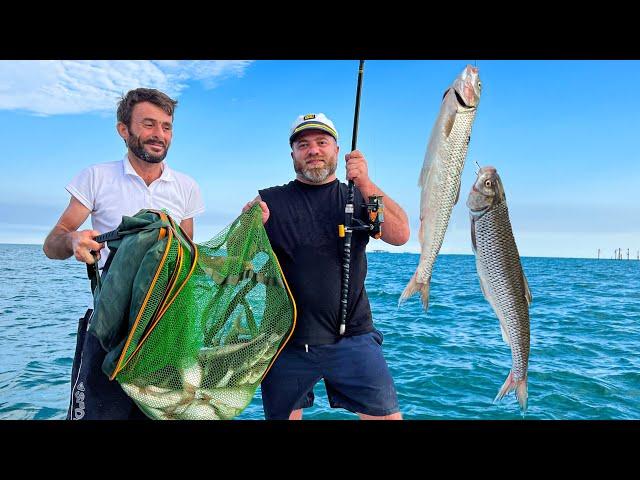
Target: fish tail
507 386
414 287
520 387
522 394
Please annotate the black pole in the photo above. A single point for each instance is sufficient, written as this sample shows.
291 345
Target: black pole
348 214
356 114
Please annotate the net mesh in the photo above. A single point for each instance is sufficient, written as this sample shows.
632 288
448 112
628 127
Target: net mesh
212 323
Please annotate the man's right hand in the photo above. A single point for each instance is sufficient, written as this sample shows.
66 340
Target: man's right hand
263 207
83 243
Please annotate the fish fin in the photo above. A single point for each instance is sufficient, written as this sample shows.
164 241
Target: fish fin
448 125
483 285
485 291
414 287
424 174
522 394
507 387
474 245
429 161
527 292
424 293
505 335
520 387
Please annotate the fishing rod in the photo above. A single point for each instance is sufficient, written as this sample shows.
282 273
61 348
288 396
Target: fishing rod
374 207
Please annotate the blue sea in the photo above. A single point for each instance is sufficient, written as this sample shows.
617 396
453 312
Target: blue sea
447 364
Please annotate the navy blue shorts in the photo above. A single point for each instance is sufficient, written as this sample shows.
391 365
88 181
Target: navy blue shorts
355 375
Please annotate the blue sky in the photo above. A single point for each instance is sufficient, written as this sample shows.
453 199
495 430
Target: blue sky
562 134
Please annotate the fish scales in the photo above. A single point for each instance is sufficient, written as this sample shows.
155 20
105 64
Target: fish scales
498 259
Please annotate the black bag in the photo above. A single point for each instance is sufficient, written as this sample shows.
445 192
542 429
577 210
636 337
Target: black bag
93 396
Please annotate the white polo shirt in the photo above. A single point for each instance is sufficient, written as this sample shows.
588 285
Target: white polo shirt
113 189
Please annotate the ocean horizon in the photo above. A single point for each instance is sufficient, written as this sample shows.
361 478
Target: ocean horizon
377 250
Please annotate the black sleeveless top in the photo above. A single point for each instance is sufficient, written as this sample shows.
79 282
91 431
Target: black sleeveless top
303 232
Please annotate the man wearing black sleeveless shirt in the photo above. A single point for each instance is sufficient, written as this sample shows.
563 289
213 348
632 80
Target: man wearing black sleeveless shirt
301 219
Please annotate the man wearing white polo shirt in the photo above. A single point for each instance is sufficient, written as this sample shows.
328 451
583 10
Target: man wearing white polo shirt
107 191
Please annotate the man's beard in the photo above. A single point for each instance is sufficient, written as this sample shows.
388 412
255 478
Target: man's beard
137 147
316 174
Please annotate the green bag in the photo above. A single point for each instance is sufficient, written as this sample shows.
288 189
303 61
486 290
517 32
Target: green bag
191 329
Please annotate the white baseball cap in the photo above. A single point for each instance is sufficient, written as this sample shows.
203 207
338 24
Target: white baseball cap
312 121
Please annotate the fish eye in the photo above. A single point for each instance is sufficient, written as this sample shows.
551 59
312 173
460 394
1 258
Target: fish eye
480 85
487 183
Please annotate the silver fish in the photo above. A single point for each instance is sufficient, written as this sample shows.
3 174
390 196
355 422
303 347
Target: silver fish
196 410
228 402
155 398
441 172
501 276
192 376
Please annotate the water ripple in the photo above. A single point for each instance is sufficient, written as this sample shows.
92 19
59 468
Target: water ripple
447 363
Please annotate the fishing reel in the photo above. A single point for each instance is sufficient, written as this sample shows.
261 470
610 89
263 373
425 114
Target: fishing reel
375 214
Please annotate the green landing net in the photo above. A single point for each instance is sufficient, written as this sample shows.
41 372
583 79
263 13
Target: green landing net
211 324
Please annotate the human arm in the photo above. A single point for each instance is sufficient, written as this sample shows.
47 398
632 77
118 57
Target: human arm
395 230
187 226
64 240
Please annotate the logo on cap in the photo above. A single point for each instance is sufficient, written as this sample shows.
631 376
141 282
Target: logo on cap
310 116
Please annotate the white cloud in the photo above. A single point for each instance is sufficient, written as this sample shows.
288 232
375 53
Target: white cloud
50 87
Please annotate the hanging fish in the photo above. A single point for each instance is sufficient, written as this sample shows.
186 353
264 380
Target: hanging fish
441 172
501 276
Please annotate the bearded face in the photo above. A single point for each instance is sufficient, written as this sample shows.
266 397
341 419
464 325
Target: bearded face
149 132
151 150
315 157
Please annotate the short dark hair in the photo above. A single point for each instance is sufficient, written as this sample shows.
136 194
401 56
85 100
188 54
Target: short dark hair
133 97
